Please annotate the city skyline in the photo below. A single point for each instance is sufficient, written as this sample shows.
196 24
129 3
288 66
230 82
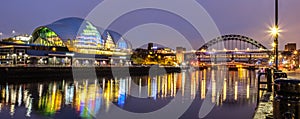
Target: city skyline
150 59
253 18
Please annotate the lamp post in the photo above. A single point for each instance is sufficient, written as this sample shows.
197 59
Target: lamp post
25 58
1 36
13 32
276 35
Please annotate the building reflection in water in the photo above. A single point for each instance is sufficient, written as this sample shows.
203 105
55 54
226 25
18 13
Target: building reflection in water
224 89
88 97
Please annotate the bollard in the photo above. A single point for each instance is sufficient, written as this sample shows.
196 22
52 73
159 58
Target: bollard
268 75
287 98
258 88
269 79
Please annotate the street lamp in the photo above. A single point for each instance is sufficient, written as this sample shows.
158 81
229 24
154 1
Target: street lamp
276 35
13 33
25 58
273 46
1 35
274 31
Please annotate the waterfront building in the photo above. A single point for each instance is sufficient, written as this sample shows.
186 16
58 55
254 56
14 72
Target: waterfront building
154 55
290 47
289 58
150 46
70 41
18 39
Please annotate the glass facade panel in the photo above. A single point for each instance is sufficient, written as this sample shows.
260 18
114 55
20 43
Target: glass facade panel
48 38
89 37
109 44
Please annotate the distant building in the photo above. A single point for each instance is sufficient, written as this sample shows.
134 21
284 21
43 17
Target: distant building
19 39
290 47
153 55
24 38
150 46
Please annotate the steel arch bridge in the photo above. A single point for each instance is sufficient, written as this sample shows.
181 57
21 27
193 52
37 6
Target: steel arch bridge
233 48
244 40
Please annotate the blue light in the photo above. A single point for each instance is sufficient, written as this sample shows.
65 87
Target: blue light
121 100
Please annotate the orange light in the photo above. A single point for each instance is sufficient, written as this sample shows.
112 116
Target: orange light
54 49
273 44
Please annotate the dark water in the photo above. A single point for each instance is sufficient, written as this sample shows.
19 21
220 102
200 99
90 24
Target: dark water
177 95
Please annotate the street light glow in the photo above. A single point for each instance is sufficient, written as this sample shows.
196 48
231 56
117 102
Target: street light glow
203 50
273 44
295 52
274 31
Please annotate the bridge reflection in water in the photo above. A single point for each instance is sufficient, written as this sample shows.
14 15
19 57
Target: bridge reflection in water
142 94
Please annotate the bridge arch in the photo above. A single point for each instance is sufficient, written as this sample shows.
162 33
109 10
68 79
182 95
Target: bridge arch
233 37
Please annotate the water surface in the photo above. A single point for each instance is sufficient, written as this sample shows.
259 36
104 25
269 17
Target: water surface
174 95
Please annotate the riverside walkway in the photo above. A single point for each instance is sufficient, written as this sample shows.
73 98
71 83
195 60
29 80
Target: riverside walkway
269 107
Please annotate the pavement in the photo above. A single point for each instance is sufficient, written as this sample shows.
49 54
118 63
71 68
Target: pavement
294 74
265 107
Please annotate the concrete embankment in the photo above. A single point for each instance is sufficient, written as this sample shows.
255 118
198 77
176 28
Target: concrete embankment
8 74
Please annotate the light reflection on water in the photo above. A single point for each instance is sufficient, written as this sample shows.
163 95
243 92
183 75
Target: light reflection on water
85 98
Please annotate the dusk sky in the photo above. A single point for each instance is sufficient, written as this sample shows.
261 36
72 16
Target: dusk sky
246 17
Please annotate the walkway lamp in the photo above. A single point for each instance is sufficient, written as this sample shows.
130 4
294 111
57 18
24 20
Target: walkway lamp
1 35
276 31
25 58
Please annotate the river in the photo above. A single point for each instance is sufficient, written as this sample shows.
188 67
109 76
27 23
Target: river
226 94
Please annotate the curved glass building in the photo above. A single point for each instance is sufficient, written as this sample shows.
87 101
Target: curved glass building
80 36
75 41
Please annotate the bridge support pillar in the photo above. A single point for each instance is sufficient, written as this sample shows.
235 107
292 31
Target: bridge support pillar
215 59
